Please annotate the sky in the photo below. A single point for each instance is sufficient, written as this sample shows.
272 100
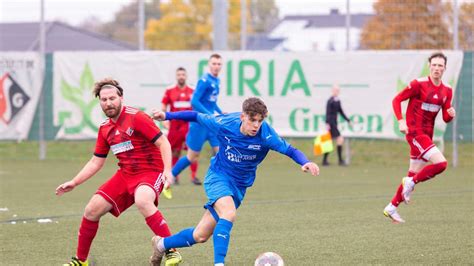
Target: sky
76 11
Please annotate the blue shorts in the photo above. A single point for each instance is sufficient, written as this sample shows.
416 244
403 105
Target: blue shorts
197 135
218 185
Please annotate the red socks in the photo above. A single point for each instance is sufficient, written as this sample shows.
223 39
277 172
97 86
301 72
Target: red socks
426 173
158 224
398 198
194 168
430 171
87 232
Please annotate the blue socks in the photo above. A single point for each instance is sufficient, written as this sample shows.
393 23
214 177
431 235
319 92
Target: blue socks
180 165
221 239
182 239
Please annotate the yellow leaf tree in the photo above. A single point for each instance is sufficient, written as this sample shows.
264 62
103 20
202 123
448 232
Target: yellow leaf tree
407 24
187 24
466 24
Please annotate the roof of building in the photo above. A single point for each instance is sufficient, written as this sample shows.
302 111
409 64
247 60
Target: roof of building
59 37
333 19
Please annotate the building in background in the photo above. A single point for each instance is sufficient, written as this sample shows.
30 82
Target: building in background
59 37
311 33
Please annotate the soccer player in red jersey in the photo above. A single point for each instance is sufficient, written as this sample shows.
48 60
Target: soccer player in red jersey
178 98
427 96
144 157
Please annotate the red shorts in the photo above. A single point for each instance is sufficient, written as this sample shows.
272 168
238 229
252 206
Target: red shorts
177 136
421 147
120 189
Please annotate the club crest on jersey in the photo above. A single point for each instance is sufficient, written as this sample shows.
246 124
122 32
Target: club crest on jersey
122 147
129 131
256 147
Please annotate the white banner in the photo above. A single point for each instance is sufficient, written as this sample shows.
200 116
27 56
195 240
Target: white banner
20 88
295 86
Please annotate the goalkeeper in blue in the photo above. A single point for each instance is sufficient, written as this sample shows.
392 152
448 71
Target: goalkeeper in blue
244 141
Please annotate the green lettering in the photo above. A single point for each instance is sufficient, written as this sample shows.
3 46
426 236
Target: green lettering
250 82
295 68
378 123
229 78
293 119
271 78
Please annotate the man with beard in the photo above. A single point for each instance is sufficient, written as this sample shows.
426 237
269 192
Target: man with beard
145 164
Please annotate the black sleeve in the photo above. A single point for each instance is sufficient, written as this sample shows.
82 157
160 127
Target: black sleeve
342 112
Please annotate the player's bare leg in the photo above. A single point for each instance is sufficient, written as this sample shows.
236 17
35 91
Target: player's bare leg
144 200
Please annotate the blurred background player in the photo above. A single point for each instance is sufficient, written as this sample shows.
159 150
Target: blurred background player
178 98
204 101
333 108
145 163
427 96
244 141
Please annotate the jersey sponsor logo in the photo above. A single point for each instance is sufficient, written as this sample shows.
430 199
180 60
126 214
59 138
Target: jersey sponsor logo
239 157
182 104
430 107
129 131
256 147
122 147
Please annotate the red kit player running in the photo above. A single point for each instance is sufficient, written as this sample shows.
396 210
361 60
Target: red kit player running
145 163
178 98
427 96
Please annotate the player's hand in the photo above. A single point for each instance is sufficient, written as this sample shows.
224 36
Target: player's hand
328 127
310 167
169 179
451 112
66 187
158 114
402 126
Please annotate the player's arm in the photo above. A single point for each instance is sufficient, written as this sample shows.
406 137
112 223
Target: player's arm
410 91
197 95
90 169
448 111
165 149
343 114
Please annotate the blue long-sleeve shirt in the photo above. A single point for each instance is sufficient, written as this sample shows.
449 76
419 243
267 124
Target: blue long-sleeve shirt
205 95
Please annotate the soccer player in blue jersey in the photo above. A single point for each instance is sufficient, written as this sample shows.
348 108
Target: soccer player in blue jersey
204 101
244 141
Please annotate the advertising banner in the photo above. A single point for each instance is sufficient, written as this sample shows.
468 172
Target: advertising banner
295 86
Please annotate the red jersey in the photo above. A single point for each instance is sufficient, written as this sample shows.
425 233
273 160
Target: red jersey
131 138
426 99
179 99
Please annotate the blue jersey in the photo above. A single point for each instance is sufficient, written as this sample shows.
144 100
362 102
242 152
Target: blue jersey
205 95
239 155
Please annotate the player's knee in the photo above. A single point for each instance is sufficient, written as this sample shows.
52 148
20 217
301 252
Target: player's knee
201 238
92 212
229 215
143 205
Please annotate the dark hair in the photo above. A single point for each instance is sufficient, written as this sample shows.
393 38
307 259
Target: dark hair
181 69
218 56
254 106
440 55
107 83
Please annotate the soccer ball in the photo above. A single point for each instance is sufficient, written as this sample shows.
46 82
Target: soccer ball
269 259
